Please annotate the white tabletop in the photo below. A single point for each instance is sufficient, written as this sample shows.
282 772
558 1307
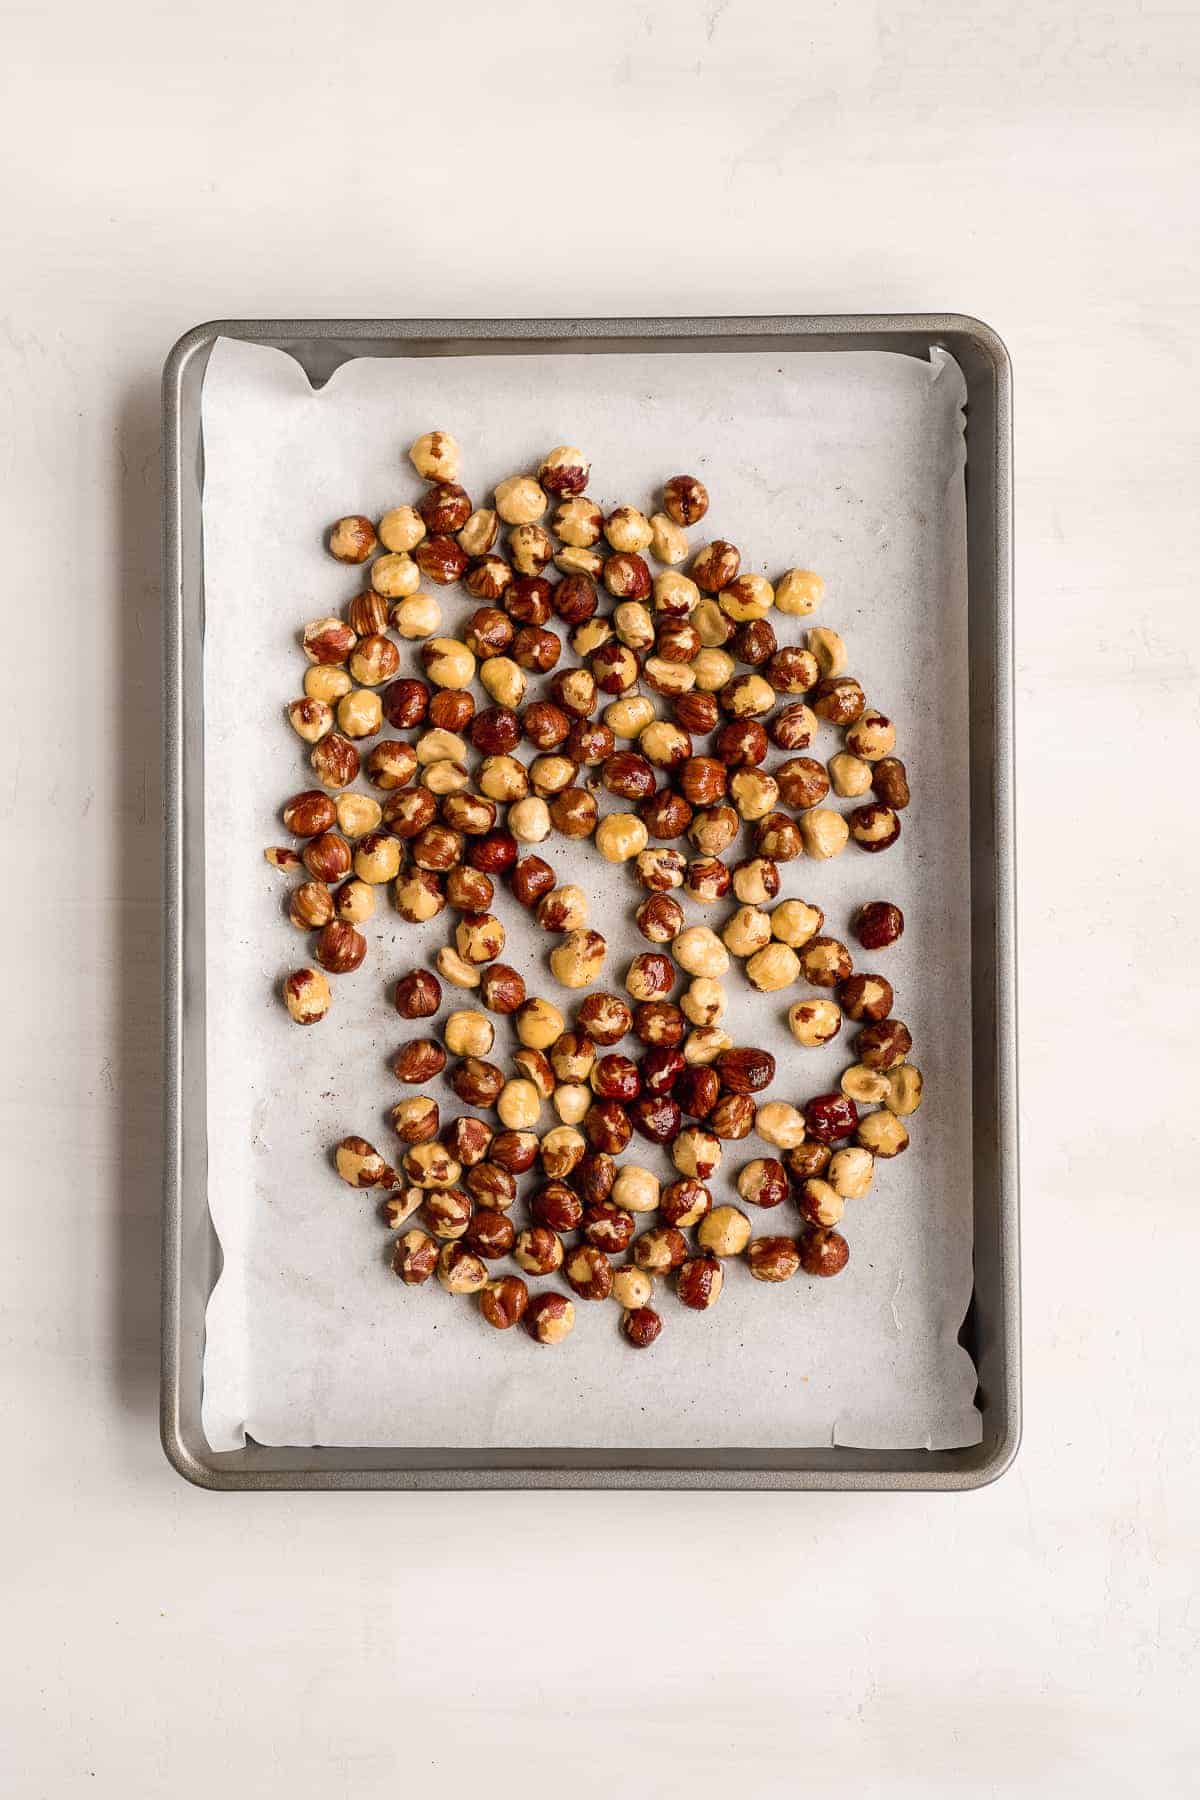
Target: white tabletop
1036 166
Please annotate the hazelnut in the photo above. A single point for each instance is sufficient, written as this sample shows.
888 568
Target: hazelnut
703 1045
754 793
352 539
636 1190
632 1287
756 880
829 1117
427 1164
884 1044
490 579
825 962
530 548
549 1318
628 718
405 703
667 541
460 1271
890 781
839 699
746 597
539 1024
528 600
564 470
778 837
685 499
660 1068
494 853
747 697
713 829
396 577
867 997
660 1251
702 780
806 1159
871 736
579 959
628 529
701 1279
606 1018
572 1101
577 521
665 814
328 857
774 968
793 727
588 1272
616 1077
851 1172
468 1140
520 500
477 536
373 661
659 1023
882 1133
707 881
574 691
627 577
589 743
414 1257
440 559
696 1152
418 1061
747 931
572 1056
699 951
595 1177
799 592
340 948
357 814
503 1303
536 649
573 812
328 641
391 764
492 1187
334 760
802 782
502 778
659 871
534 1066
664 745
628 775
904 1093
823 833
619 837
823 1253
377 858
725 1231
745 1070
704 1001
874 827
497 729
419 896
732 1117
501 988
417 995
869 1087
360 1164
714 627
814 1022
650 976
582 561
469 890
716 566
326 682
531 879
514 1152
538 1250
818 1202
419 616
448 663
851 777
675 596
556 1206
754 642
660 918
311 906
791 670
367 615
479 937
400 1205
477 1083
561 1151
469 1034
779 1124
684 1203
454 967
615 669
772 1258
490 1234
447 1212
436 456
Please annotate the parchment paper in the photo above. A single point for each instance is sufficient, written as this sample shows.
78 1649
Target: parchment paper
850 464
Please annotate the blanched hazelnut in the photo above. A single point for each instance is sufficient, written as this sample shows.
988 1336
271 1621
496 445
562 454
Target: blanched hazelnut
696 1152
650 976
549 1318
713 829
882 1133
890 781
503 778
869 1087
357 814
818 1202
664 744
660 918
281 856
606 1018
754 793
823 1253
799 592
660 870
539 1024
572 1101
572 1056
632 1288
455 968
830 651
699 951
562 1150
905 1087
747 931
747 597
579 959
578 522
703 1045
724 1232
874 827
529 820
621 836
539 1250
419 896
636 1190
814 1022
581 561
747 697
354 902
704 1001
773 1258
436 456
850 775
824 833
417 617
328 641
400 1205
395 576
415 1122
675 596
503 1303
377 858
851 1172
712 625
588 1272
401 529
774 968
668 544
780 1124
533 1065
667 677
778 837
324 681
756 880
519 1105
340 948
448 663
520 500
310 719
479 937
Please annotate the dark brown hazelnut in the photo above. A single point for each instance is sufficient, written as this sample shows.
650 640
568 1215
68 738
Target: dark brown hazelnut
588 1272
684 1203
793 727
501 988
829 1117
514 1151
605 1018
778 838
328 857
532 1065
839 699
418 1061
698 1090
660 918
763 1182
476 1082
450 709
701 1279
496 730
659 1023
531 878
754 643
339 948
660 1069
446 507
882 1045
792 671
802 781
469 813
490 1184
527 600
490 1234
641 1325
590 743
629 775
627 577
407 813
772 1258
448 1213
416 1121
665 814
335 761
707 880
824 962
494 853
696 712
539 1251
405 703
874 827
440 559
661 1250
889 778
741 744
414 1257
593 1177
651 975
468 1140
716 566
746 1071
867 997
823 1253
878 924
549 1318
437 848
390 764
806 1160
574 812
606 1126
685 499
536 649
677 640
656 1117
489 579
556 1206
615 1077
469 890
545 725
732 1118
488 632
417 995
309 814
574 599
504 1303
702 780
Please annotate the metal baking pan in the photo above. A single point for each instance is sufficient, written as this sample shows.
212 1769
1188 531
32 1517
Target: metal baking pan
191 1255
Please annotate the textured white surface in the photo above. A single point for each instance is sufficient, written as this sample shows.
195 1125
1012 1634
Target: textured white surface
850 464
1037 166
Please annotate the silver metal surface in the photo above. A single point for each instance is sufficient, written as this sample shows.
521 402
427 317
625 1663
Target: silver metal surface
191 1255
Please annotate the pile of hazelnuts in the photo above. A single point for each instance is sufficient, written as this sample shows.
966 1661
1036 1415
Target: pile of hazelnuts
448 824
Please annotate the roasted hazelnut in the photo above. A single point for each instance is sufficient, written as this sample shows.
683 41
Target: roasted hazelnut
754 793
418 1061
746 1070
360 1164
427 1164
627 577
562 1150
684 1203
699 951
869 1087
660 1068
538 1250
665 746
772 1258
367 614
641 1325
519 1105
793 727
405 703
905 1087
448 662
490 579
823 833
573 812
359 713
839 699
704 1001
396 577
606 1018
732 1118
418 995
747 931
702 780
556 1206
802 782
490 1234
391 764
352 539
780 1124
774 968
754 642
469 890
439 559
494 853
724 1232
628 529
877 924
447 1212
607 1127
871 737
756 880
703 1045
339 947
814 1022
650 975
527 600
377 858
701 1279
536 649
697 1092
712 669
621 836
665 814
696 714
715 629
615 669
713 829
615 1077
707 881
456 969
866 997
677 640
818 1202
539 1024
579 959
829 1117
417 616
414 1257
468 1140
520 500
659 1023
667 541
530 548
590 742
327 857
803 1160
490 1185
825 962
328 641
791 670
437 848
851 1172
572 1101
746 599
496 730
574 692
660 918
374 660
716 566
467 1033
514 1151
582 561
578 521
531 879
478 1083
588 1272
533 1065
479 937
326 682
670 678
890 781
884 1044
696 1152
479 533
335 761
564 470
436 456
419 896
446 778
799 592
874 827
503 1303
400 1205
595 1177
549 1318
628 775
823 1253
778 837
851 777
763 1182
660 1251
633 625
460 1271
659 871
572 1056
311 906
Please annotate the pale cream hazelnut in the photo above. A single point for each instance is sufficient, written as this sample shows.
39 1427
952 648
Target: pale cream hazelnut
754 793
549 775
714 627
479 938
814 1022
632 1287
629 717
774 968
664 744
668 677
504 680
636 1189
749 597
829 649
712 668
668 541
697 1152
872 737
324 681
377 859
395 577
748 930
520 500
529 548
577 560
703 1045
468 1034
850 775
882 1133
780 1124
699 951
703 1002
751 698
904 1093
851 1172
799 592
311 719
572 1101
588 637
446 777
416 900
436 456
869 1087
824 833
529 820
795 921
448 663
539 1024
578 522
579 959
627 529
756 880
401 529
354 902
417 617
725 1231
440 745
357 814
621 836
480 532
633 625
675 594
519 1105
503 778
455 968
360 713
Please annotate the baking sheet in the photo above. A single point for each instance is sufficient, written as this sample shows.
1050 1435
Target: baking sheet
851 464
